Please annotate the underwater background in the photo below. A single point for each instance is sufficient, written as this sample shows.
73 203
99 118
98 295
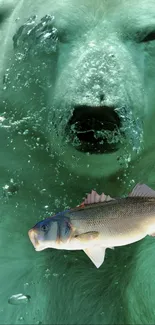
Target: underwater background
40 175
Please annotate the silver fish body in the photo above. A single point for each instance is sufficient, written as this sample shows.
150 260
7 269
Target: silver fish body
100 222
118 222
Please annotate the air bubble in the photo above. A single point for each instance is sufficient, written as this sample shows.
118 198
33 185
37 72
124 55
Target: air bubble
19 299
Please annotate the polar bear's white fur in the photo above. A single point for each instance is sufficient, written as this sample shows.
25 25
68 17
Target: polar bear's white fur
58 57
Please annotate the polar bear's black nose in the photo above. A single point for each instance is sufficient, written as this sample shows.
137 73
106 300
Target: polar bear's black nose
94 129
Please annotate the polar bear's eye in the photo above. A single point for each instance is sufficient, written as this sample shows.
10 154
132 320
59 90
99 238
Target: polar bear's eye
150 37
63 36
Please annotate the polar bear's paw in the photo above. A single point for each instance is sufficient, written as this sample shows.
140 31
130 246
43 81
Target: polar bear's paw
42 34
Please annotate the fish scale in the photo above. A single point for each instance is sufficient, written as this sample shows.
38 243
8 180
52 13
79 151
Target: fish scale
125 212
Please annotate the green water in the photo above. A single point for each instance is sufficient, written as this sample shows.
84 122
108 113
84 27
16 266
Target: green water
64 287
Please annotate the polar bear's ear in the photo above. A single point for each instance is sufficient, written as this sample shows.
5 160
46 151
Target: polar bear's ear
4 14
6 9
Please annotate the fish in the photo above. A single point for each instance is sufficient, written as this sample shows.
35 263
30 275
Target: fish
98 223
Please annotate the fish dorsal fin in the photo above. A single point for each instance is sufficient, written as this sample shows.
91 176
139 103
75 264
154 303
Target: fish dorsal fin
96 255
94 197
142 190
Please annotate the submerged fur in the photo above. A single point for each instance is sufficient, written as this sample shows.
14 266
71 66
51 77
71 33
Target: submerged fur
34 184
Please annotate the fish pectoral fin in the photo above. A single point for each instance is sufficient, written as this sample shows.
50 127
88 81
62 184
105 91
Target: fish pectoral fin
87 235
96 255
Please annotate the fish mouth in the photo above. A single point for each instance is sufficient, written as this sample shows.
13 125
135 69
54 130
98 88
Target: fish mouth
33 238
95 129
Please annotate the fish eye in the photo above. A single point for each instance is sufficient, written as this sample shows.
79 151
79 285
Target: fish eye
44 227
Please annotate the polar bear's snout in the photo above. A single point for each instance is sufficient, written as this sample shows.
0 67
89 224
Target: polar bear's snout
94 129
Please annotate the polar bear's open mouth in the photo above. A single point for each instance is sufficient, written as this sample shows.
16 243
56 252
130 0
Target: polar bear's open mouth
96 130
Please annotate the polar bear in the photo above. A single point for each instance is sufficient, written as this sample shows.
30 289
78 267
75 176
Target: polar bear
77 112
